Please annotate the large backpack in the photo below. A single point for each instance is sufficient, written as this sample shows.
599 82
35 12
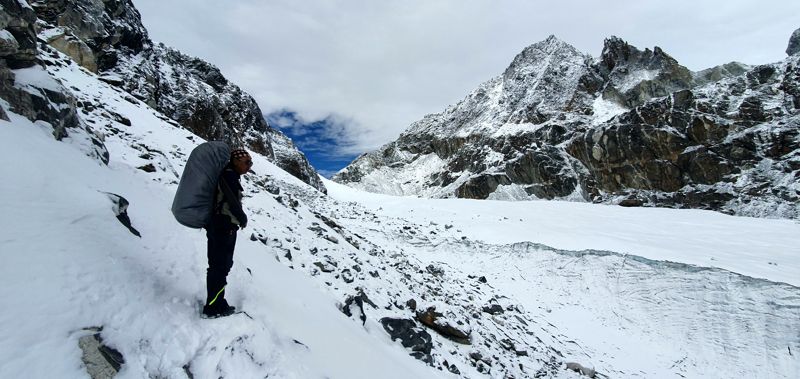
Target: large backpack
194 199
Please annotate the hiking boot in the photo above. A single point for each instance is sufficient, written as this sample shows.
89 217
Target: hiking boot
218 309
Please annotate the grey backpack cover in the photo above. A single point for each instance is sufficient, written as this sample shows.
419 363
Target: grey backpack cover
195 196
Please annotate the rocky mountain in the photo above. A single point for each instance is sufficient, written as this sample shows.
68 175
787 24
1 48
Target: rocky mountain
108 38
632 127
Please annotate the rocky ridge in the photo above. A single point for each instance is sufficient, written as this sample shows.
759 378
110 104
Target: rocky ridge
632 127
108 39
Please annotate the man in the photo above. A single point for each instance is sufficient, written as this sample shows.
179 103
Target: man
227 216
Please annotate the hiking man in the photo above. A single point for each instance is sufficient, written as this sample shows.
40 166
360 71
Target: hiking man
227 216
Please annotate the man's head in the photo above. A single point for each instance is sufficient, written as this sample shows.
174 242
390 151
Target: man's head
241 161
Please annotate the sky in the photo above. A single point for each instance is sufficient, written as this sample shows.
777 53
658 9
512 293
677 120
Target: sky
353 75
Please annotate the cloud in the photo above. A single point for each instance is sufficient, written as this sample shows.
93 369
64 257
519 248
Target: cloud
373 67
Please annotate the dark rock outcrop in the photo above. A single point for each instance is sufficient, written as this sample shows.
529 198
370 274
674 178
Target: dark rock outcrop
108 37
24 83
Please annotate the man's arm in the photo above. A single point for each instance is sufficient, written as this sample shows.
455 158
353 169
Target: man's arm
233 201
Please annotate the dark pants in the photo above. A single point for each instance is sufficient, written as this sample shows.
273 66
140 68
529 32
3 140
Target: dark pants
221 242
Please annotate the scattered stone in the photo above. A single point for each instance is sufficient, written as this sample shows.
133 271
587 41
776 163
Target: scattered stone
148 168
631 203
577 367
101 361
475 355
120 207
410 335
494 309
435 321
324 267
435 270
347 276
187 370
482 279
354 305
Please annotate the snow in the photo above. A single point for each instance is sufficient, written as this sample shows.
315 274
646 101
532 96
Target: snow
642 292
761 248
631 80
516 129
604 110
34 77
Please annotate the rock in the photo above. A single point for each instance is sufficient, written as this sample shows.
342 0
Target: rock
100 360
435 270
631 203
8 44
19 36
720 72
347 276
410 335
116 81
475 356
494 309
324 267
75 48
354 305
411 304
120 208
577 367
441 325
147 168
794 43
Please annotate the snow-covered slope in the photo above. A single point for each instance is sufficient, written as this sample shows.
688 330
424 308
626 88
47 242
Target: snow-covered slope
631 127
650 293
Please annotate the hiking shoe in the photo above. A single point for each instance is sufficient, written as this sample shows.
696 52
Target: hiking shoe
218 310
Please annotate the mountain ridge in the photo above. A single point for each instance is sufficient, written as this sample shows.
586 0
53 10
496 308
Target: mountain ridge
523 135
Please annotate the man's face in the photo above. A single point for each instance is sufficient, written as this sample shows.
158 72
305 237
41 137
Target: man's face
242 164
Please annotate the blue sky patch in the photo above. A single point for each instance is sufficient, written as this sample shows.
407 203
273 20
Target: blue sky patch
321 140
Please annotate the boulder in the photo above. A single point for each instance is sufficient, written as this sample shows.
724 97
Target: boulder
444 326
411 336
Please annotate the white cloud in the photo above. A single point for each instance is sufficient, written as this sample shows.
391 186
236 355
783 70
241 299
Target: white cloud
377 66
